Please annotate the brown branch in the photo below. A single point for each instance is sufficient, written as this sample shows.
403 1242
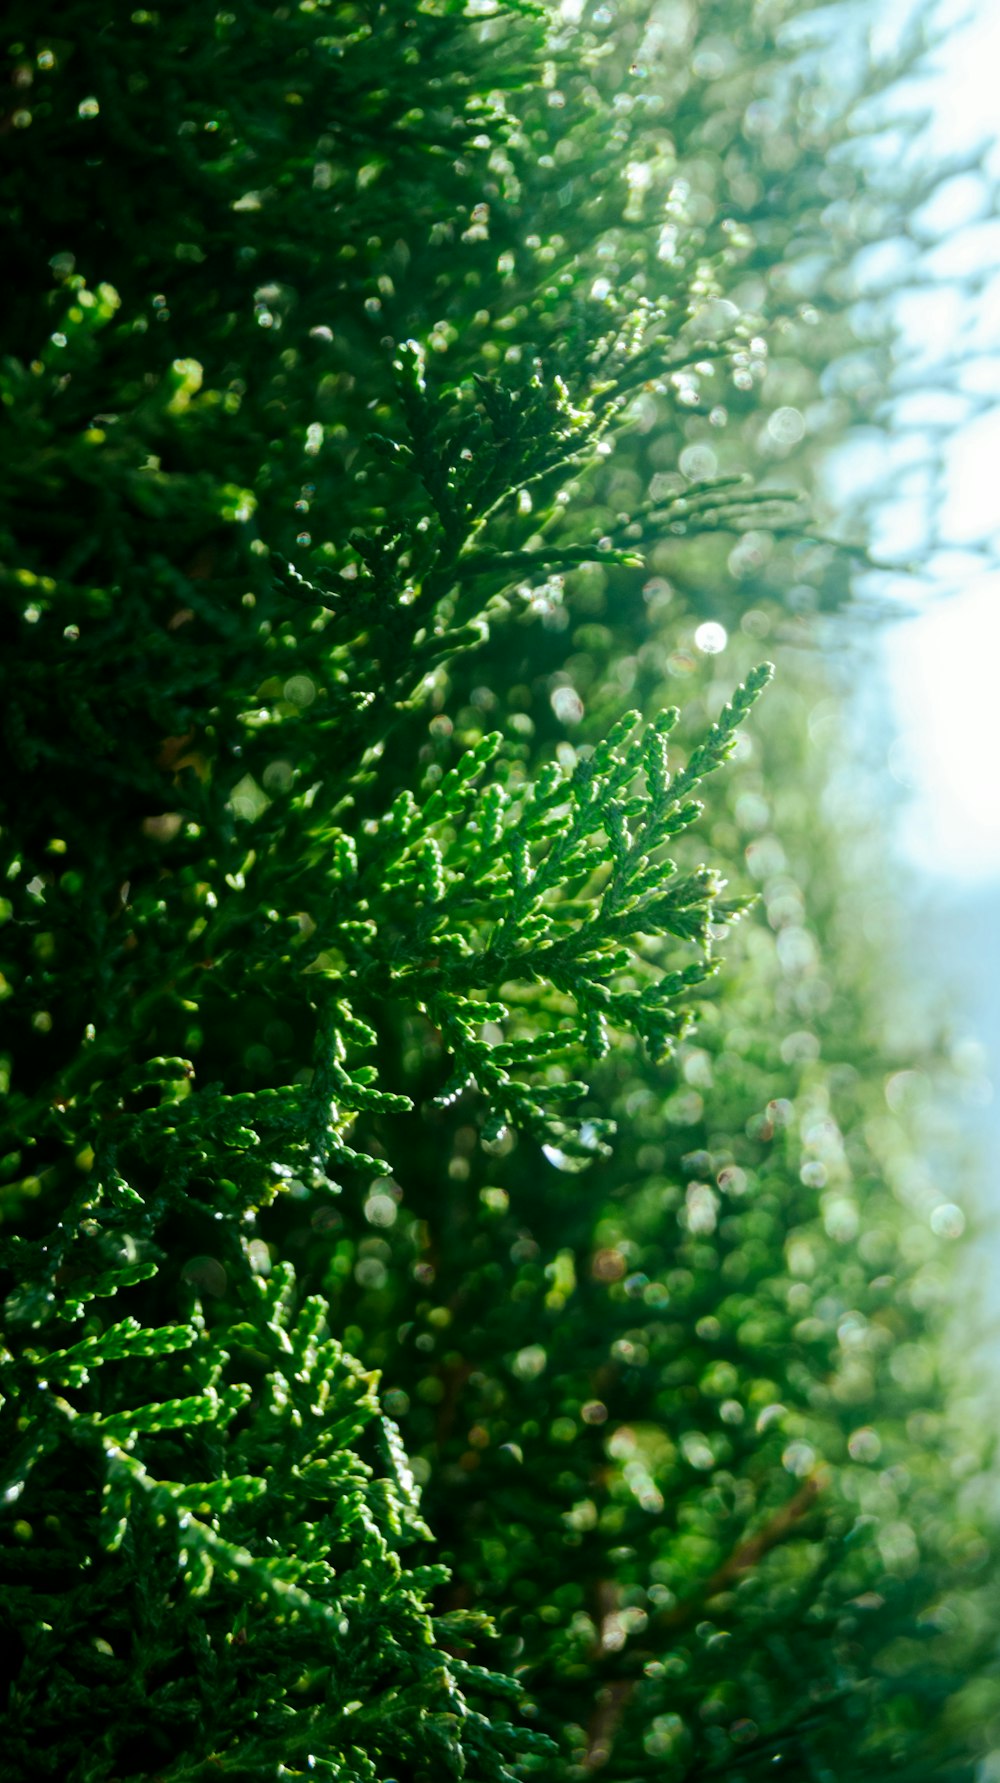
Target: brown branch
615 1696
743 1558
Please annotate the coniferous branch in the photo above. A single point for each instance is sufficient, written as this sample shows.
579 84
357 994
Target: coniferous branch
377 401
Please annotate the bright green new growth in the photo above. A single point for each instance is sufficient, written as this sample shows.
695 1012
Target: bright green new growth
351 392
553 891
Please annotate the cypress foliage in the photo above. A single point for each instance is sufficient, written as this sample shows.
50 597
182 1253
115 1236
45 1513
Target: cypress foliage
359 367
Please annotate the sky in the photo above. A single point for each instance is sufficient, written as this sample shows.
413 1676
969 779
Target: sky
943 666
941 663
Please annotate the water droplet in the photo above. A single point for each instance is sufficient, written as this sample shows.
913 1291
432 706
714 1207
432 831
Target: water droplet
799 1458
530 1362
864 1445
948 1220
786 427
711 638
714 320
698 461
567 705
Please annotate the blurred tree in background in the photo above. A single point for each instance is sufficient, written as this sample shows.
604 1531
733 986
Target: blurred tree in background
412 418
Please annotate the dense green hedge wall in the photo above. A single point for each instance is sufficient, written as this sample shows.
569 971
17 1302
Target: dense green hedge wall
392 395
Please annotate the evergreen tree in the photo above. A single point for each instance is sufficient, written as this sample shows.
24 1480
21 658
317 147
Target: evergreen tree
363 363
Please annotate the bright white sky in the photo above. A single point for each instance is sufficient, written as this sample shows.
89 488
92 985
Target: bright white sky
944 667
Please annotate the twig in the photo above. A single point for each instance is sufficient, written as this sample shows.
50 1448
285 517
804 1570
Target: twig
608 1716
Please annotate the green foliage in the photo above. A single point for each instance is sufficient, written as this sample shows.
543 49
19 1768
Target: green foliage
163 1631
354 940
682 1427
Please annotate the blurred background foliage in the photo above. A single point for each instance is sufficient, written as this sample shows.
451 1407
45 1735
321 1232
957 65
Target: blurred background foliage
683 1407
